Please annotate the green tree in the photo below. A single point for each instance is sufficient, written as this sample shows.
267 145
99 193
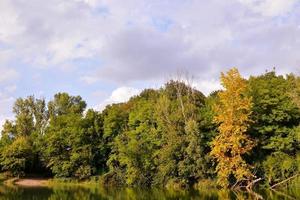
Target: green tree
93 128
275 121
30 121
181 158
274 113
132 158
280 166
115 120
8 134
71 141
294 82
64 104
17 156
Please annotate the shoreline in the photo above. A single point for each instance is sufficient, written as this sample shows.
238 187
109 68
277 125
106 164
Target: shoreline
44 182
27 182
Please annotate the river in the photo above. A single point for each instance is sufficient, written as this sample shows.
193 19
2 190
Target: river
99 193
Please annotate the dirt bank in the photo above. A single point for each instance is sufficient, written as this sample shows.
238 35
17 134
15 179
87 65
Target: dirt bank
31 182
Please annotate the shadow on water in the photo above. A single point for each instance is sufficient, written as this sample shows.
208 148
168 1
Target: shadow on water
91 193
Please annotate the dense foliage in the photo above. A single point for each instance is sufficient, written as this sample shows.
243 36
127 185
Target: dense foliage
174 136
233 115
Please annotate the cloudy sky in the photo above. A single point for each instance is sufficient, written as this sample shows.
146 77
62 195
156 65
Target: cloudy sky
108 50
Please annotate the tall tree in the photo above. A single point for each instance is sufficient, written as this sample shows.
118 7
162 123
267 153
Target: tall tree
132 158
18 156
26 131
232 114
70 139
274 112
181 157
275 120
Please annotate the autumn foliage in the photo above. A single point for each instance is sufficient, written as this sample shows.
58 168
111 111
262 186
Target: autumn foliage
232 142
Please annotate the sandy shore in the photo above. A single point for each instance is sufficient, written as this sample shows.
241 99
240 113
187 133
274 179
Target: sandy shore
31 182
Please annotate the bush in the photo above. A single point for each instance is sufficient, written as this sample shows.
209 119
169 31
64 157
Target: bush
279 166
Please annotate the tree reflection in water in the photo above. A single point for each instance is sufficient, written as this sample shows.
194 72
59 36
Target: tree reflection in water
99 193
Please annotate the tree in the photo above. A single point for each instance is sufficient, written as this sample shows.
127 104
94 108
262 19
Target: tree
24 116
233 116
30 122
133 149
8 135
172 136
280 166
115 120
71 141
181 158
294 82
63 104
275 120
18 156
93 126
274 113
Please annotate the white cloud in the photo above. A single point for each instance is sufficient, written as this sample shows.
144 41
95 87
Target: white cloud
6 103
270 7
89 2
89 79
119 95
10 88
203 37
207 86
49 33
123 94
10 27
8 74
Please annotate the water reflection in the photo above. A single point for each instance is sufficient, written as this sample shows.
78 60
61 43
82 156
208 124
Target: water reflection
91 193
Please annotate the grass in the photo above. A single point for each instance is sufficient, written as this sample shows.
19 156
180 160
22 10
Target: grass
93 181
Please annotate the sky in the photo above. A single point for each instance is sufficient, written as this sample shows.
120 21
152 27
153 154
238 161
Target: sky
109 50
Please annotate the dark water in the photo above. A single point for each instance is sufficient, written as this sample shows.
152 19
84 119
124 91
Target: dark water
91 193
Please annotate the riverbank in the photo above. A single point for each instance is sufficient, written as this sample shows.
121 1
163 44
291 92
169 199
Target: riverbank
31 182
26 182
44 182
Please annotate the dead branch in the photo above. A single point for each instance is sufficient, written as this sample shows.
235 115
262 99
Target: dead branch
251 184
284 181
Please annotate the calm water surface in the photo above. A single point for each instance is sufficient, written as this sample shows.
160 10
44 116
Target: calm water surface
91 193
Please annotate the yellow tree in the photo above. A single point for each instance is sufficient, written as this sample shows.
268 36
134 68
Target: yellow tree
232 114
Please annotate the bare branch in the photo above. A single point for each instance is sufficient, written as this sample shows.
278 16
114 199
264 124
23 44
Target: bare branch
284 181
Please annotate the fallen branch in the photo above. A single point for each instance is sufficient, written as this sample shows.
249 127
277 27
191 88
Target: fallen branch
292 177
250 185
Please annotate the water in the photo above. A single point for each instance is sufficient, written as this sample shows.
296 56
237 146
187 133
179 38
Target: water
91 193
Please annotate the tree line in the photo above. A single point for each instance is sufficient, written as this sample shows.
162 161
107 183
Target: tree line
173 136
